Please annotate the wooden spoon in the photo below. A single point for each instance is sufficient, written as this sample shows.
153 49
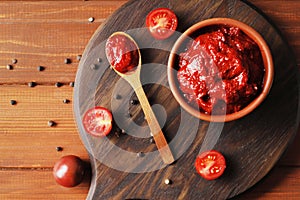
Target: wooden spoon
133 78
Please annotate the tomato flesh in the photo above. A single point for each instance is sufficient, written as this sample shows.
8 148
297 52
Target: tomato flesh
97 121
210 164
161 22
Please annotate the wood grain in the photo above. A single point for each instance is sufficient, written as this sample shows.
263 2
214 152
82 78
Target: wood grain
45 33
251 151
42 27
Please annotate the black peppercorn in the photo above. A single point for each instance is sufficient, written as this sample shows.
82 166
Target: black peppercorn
117 96
51 123
58 84
13 102
134 102
31 84
94 66
40 68
9 67
168 181
59 148
67 61
66 101
91 19
140 154
78 57
152 140
72 84
14 61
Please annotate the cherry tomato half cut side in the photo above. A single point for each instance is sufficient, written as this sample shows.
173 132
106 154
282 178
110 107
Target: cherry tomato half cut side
210 164
97 121
161 22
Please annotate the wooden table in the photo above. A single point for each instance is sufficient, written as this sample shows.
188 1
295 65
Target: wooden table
46 34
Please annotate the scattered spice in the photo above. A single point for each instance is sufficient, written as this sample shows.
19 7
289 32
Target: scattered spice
40 68
134 102
78 57
14 61
123 131
9 67
13 102
91 19
99 60
31 84
152 140
58 84
140 154
59 148
72 84
94 66
117 96
168 181
66 101
51 123
67 61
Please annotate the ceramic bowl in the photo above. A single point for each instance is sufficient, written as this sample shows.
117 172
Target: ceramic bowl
192 32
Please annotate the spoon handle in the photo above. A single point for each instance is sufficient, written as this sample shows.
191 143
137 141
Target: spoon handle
154 126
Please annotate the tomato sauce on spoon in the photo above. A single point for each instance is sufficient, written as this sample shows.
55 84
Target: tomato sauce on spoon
122 53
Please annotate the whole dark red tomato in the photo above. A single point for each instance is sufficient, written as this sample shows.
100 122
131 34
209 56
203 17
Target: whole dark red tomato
69 171
210 164
161 22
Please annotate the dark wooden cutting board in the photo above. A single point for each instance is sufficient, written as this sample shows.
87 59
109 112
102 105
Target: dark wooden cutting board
251 145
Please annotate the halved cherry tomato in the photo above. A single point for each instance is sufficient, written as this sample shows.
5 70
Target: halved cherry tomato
161 22
97 121
210 164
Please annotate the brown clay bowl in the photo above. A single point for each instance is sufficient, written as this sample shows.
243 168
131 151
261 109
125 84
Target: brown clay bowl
181 43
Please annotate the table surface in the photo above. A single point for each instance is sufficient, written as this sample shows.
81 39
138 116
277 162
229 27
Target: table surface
45 33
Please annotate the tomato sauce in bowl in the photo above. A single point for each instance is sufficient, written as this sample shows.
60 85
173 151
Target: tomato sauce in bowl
221 70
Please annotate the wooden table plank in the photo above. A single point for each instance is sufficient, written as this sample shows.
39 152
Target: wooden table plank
37 184
41 37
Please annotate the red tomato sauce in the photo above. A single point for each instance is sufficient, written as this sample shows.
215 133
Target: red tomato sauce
122 53
221 70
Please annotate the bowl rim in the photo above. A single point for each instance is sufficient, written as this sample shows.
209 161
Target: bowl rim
267 60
